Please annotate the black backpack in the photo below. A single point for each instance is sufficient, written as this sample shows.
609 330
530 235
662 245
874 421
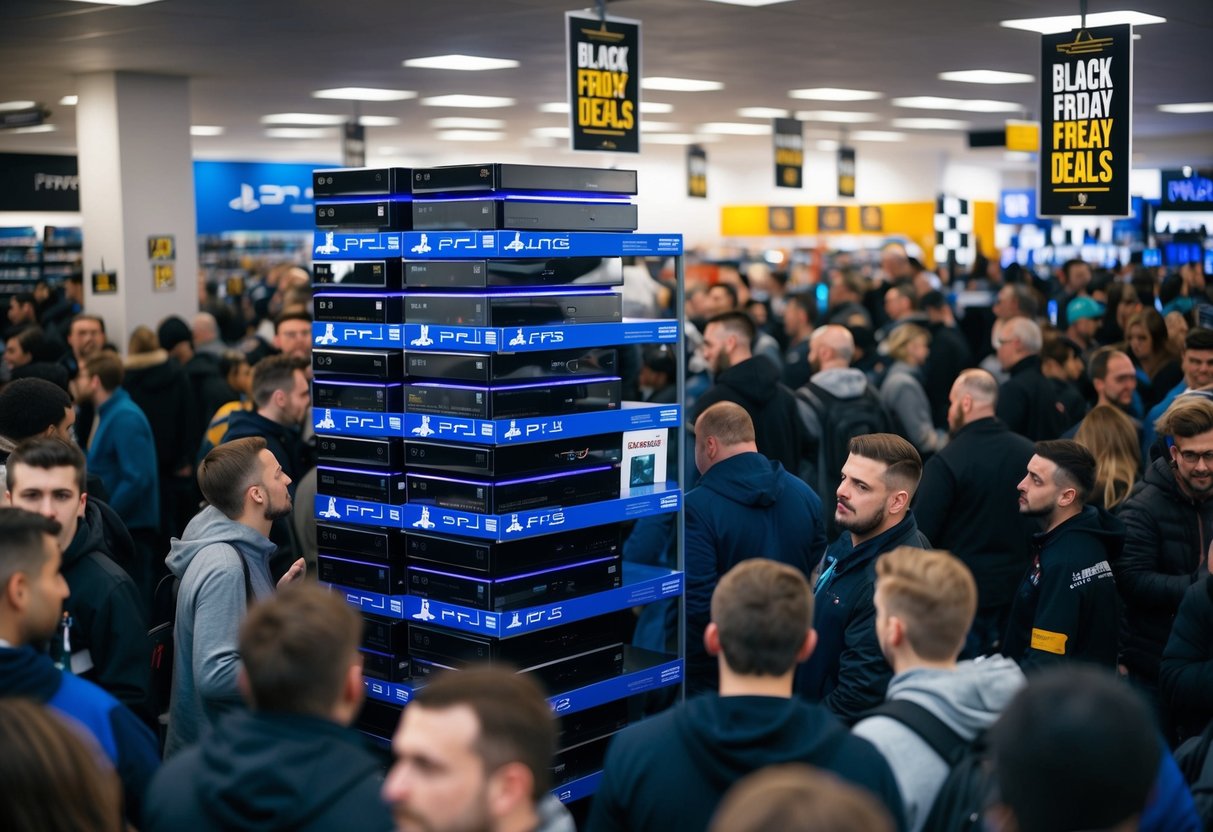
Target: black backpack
967 788
841 420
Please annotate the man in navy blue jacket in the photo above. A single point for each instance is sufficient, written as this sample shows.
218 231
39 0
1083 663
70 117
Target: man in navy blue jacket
745 506
848 672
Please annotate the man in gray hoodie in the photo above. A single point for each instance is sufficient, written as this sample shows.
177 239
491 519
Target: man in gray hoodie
222 562
925 603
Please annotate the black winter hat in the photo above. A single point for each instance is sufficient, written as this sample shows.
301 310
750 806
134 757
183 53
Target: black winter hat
173 331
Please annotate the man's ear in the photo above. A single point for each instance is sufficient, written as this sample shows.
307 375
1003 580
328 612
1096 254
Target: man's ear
806 649
711 639
16 591
898 501
508 788
1067 497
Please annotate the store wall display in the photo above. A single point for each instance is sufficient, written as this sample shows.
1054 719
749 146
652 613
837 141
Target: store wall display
604 82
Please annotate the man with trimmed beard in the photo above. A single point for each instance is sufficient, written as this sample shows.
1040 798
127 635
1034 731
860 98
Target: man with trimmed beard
222 562
848 672
1066 607
966 503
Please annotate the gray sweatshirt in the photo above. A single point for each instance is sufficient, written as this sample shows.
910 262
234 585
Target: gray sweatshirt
967 699
211 604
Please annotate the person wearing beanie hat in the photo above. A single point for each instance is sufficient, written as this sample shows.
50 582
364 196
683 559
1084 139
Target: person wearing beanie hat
174 331
1084 315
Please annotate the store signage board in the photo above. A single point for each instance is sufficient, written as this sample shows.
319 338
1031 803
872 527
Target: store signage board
434 338
697 172
789 153
30 182
1086 122
253 196
604 83
846 171
1017 206
1190 190
1023 136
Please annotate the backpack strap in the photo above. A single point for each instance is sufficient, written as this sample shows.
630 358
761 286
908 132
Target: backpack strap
945 742
248 581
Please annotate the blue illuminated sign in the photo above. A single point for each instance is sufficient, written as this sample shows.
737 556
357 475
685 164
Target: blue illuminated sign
253 196
1017 206
1190 192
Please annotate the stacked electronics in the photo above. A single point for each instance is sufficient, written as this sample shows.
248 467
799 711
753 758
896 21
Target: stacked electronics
477 461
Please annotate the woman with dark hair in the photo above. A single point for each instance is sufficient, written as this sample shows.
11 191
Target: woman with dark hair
51 779
1152 353
1122 304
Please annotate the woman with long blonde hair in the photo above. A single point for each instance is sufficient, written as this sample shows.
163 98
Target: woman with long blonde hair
1111 438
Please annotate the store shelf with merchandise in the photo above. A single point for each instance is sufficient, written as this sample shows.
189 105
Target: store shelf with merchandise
26 257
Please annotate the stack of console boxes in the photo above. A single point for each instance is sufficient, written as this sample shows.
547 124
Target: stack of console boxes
450 360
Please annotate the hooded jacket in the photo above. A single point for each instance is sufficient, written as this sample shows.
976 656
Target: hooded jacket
1167 535
1066 607
1186 673
211 603
745 506
967 699
126 742
902 394
109 632
123 455
670 771
1029 403
162 390
847 672
270 771
755 385
284 442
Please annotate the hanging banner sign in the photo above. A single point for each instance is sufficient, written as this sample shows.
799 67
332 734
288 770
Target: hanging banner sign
697 172
353 145
604 83
1023 136
846 171
1086 84
39 183
789 153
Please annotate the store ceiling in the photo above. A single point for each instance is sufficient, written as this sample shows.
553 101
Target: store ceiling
250 58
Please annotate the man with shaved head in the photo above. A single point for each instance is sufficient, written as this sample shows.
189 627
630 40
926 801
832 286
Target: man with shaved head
967 502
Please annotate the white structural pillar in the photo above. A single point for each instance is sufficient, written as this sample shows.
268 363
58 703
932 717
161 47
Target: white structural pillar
137 183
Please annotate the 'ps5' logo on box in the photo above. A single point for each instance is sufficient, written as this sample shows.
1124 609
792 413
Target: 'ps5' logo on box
357 243
536 521
546 336
534 243
544 428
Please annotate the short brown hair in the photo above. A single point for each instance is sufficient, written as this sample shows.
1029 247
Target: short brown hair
799 798
277 372
899 340
763 610
1187 416
904 463
515 720
227 472
22 548
297 648
84 316
934 593
728 422
107 366
47 452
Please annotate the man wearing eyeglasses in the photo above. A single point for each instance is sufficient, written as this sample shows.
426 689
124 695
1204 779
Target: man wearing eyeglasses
1169 525
1066 606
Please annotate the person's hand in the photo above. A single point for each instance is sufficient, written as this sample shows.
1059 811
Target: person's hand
295 573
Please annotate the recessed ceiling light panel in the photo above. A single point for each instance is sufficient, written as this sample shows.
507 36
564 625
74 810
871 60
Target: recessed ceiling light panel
834 94
378 121
733 128
658 82
303 119
16 106
964 105
299 132
206 130
471 136
836 116
463 63
877 136
471 102
460 123
69 101
364 94
762 112
987 76
1194 107
931 124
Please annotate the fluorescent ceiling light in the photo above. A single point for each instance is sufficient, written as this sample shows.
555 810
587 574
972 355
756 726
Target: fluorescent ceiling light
762 112
827 144
306 119
679 138
69 100
119 2
299 132
733 128
470 136
658 82
551 132
750 3
458 123
555 107
987 76
206 130
877 136
465 63
37 128
471 102
14 106
1194 107
965 105
833 94
1070 22
378 121
931 123
364 94
649 126
836 116
654 108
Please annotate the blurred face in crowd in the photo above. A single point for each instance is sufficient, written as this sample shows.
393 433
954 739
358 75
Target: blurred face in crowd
294 337
1198 368
1085 328
85 338
1078 278
20 313
1140 343
240 378
1128 307
1120 381
862 495
1193 458
14 356
298 400
716 348
51 492
716 300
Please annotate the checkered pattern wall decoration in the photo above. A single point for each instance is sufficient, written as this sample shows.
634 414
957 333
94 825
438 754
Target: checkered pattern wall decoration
953 230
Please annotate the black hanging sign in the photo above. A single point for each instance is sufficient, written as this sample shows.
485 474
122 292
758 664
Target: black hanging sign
353 145
1086 84
846 171
31 182
789 153
697 172
604 83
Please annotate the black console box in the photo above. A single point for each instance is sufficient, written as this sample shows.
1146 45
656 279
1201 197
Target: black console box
592 723
568 488
382 364
555 675
385 275
512 309
361 182
385 666
516 592
348 450
516 460
493 559
379 719
523 650
507 177
580 760
372 486
381 215
557 398
354 395
385 578
516 366
385 635
517 214
359 309
513 274
361 541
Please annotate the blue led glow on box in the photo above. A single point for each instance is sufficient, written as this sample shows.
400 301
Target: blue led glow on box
490 483
529 196
377 653
537 293
359 471
380 385
559 383
520 577
321 295
350 200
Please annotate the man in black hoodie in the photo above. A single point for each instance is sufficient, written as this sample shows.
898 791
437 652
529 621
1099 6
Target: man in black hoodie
1028 402
670 771
1066 607
108 630
291 761
754 383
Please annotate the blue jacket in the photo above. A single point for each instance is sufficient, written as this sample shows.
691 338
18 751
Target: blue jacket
847 672
123 455
746 506
127 742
